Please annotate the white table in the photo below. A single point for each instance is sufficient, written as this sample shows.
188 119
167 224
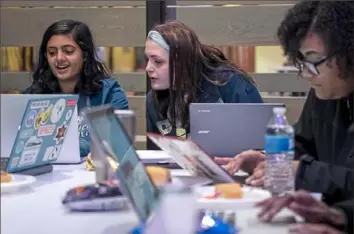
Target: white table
39 211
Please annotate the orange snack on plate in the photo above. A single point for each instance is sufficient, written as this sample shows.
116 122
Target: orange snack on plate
5 177
159 175
229 191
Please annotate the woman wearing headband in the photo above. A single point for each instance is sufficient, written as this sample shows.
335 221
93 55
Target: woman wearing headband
182 70
67 63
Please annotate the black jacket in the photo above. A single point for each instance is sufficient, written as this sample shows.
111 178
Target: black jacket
324 145
347 207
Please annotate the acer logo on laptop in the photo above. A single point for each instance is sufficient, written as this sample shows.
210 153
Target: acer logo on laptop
204 111
203 131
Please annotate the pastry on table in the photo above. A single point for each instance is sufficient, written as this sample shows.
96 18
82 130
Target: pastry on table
229 190
5 177
159 175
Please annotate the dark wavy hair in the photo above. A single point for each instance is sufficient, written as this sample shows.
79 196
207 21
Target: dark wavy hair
190 62
43 79
333 21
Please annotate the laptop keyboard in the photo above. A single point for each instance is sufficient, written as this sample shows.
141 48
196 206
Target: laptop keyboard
3 163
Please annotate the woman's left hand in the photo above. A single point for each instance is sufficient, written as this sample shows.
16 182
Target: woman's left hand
303 204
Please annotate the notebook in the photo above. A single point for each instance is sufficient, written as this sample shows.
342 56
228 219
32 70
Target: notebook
40 134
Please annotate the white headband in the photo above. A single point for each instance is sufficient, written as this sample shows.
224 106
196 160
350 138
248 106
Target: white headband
157 38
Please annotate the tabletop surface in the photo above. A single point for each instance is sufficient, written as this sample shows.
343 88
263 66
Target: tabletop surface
38 209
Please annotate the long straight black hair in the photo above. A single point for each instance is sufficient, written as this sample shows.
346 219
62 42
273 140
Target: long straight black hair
43 79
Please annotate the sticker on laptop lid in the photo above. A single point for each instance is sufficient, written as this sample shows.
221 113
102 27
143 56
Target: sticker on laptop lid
30 151
58 110
71 102
14 162
26 133
19 147
68 115
52 153
40 104
31 118
42 116
60 133
46 130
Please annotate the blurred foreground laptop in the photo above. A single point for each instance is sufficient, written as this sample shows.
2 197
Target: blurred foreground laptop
113 143
36 130
227 129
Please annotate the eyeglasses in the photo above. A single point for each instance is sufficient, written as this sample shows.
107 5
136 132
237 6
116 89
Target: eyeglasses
310 66
301 64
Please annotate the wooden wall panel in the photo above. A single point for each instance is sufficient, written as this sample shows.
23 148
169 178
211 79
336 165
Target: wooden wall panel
138 105
80 3
68 3
136 81
220 3
294 106
110 26
280 82
245 25
131 82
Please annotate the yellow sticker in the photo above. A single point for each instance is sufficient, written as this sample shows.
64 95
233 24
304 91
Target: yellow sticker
181 132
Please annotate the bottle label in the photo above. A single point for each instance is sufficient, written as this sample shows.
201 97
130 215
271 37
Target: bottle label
278 144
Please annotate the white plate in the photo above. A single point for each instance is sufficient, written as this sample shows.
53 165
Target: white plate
250 197
18 182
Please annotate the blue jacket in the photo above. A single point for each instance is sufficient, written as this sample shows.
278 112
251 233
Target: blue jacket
111 93
238 89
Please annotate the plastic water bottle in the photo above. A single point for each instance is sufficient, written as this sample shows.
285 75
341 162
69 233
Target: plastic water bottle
279 149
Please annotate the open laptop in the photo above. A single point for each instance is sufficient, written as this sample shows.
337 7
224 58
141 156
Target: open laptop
193 158
111 140
37 139
12 109
227 129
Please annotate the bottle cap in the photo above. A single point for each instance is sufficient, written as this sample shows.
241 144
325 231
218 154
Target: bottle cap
279 110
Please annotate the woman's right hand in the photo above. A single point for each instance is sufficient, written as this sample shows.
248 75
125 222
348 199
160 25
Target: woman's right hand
250 161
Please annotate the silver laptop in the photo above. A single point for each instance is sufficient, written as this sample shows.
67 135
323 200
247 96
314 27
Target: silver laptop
40 134
12 110
227 129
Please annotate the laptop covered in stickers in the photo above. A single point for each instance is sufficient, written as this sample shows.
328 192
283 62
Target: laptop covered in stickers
40 134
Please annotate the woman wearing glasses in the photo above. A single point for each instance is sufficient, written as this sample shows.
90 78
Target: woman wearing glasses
318 37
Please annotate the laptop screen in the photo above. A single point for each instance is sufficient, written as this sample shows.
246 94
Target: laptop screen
134 180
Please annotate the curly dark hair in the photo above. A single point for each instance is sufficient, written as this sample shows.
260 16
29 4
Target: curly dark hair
43 79
333 21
